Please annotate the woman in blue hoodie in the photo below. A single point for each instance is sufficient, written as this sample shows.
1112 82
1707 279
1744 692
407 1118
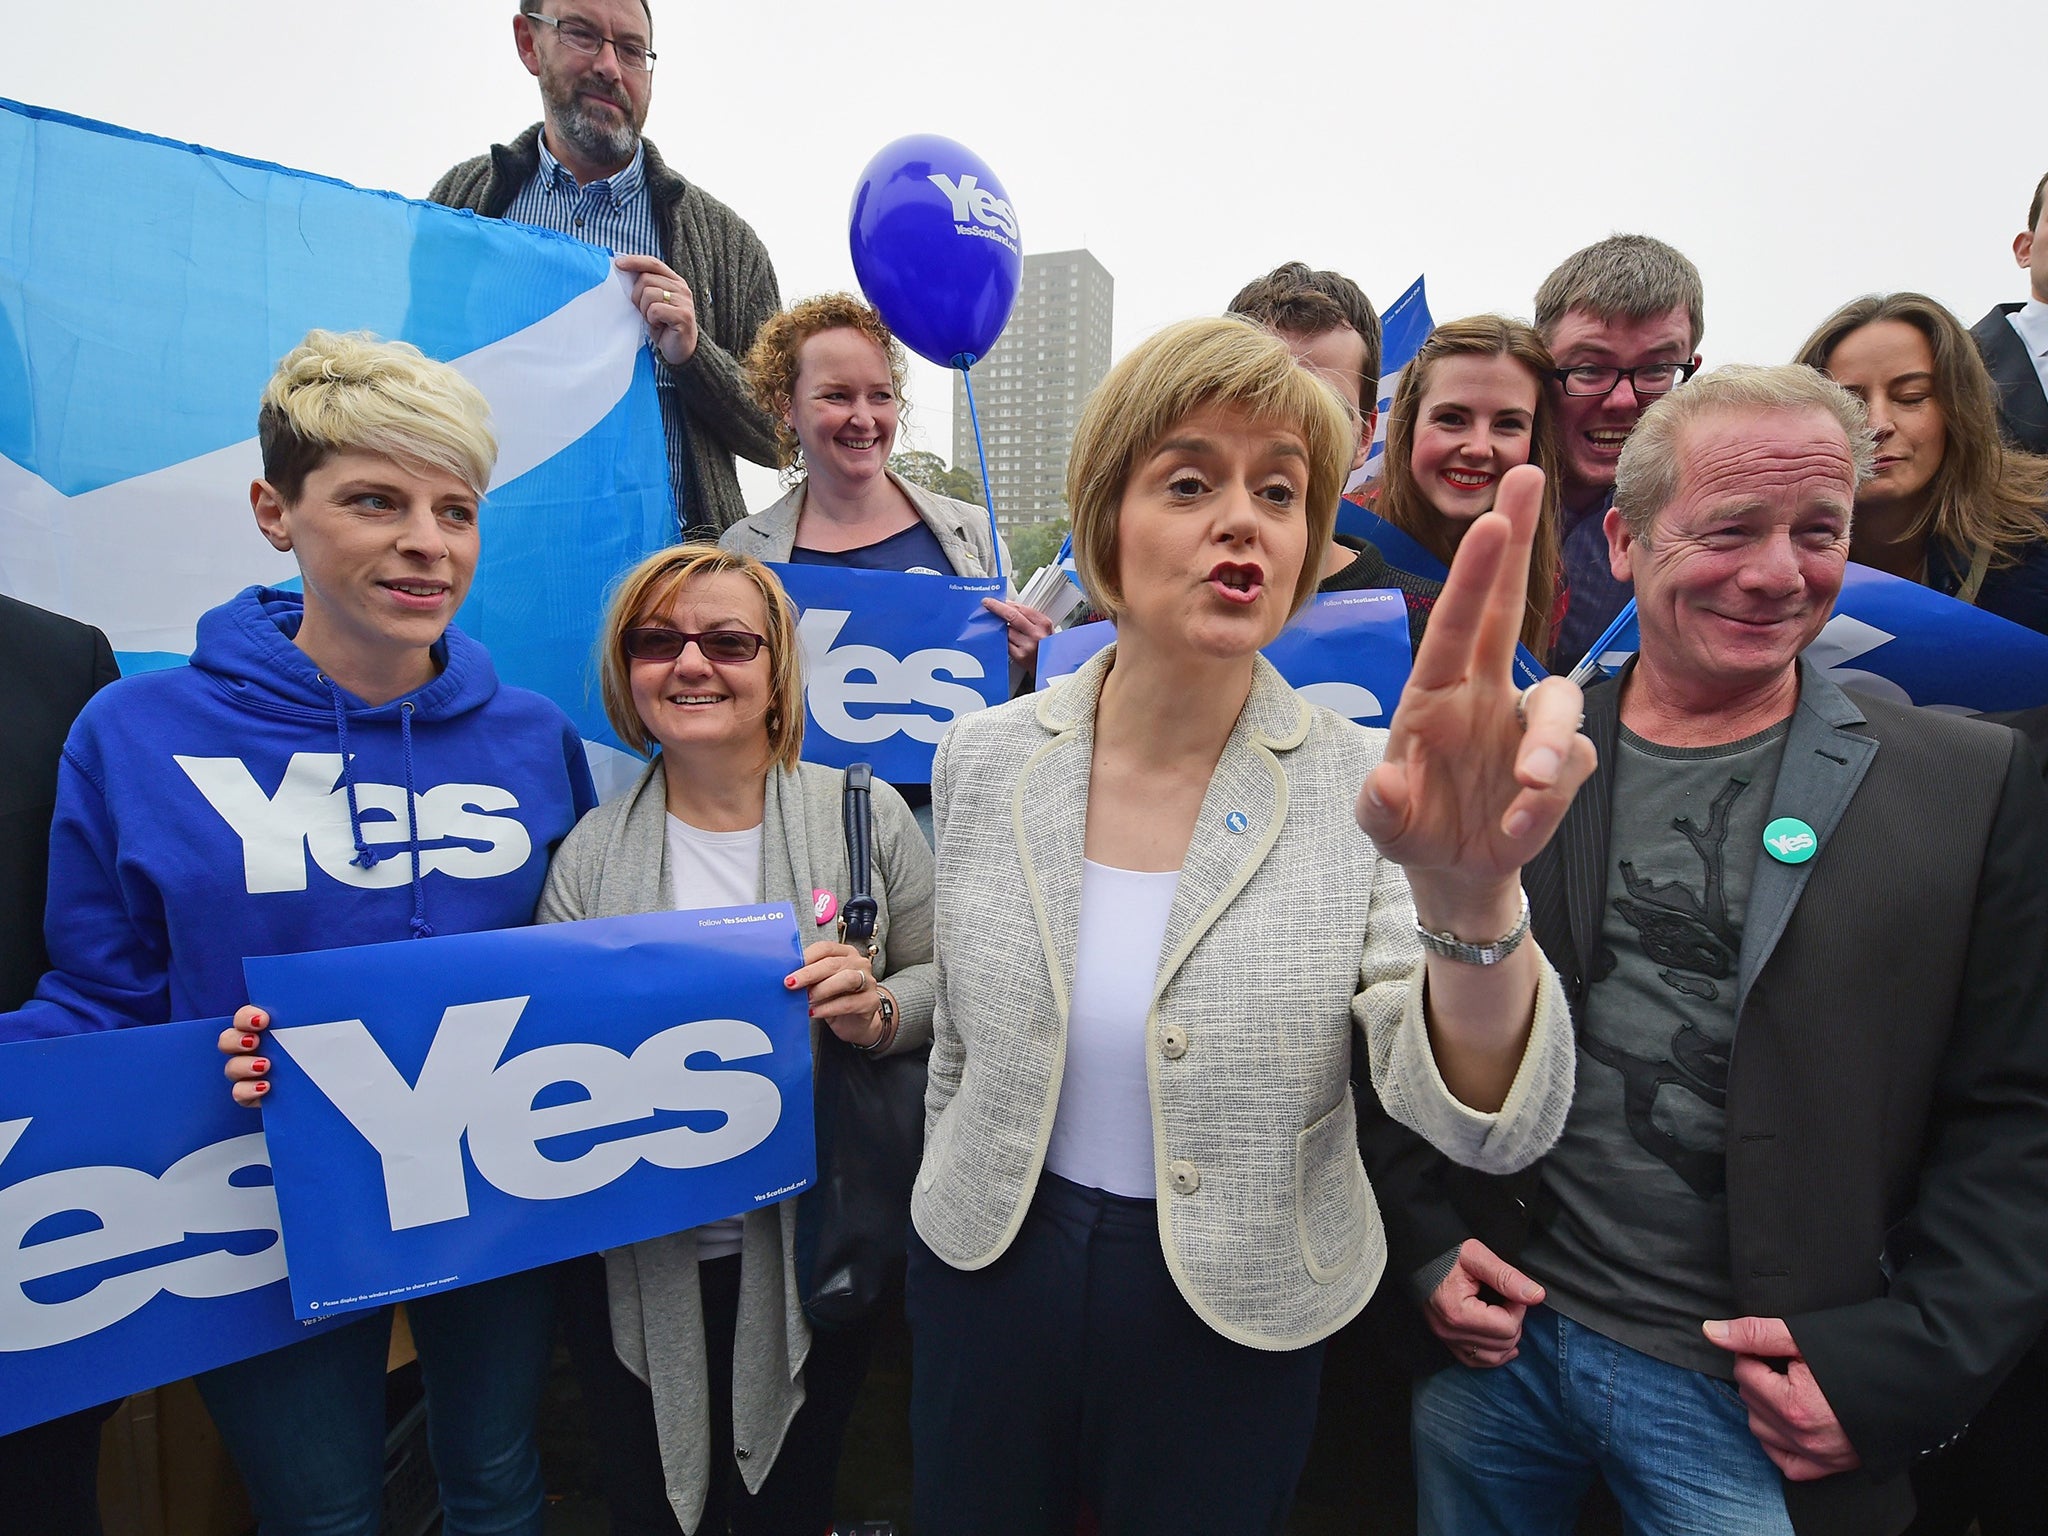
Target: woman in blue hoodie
335 767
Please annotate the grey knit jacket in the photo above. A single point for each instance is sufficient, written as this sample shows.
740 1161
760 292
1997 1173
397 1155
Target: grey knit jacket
731 280
615 862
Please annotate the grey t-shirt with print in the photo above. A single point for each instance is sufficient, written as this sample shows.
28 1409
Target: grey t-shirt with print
1638 1247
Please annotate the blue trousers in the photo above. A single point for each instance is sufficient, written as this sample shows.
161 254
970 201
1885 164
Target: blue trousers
1511 1451
305 1423
1071 1371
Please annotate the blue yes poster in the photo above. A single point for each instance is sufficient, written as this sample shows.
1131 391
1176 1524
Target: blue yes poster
891 660
448 1110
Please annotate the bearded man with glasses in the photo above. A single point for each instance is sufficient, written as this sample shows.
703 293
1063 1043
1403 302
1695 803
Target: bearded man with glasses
701 276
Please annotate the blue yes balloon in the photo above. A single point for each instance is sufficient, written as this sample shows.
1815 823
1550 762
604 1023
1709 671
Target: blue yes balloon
936 247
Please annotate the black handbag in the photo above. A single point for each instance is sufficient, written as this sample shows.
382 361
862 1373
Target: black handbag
851 1225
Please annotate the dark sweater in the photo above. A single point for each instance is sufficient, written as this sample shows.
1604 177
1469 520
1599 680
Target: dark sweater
1371 570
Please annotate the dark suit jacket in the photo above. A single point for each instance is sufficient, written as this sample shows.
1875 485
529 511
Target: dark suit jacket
1887 1116
2023 407
49 667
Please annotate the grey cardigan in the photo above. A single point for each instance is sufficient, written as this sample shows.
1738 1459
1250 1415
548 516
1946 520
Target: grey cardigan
1287 928
732 284
614 863
960 527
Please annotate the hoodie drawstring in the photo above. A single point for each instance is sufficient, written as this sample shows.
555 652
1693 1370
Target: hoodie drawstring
421 928
366 856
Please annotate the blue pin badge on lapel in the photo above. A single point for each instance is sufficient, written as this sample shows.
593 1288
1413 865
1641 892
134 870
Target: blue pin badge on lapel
1790 840
1237 821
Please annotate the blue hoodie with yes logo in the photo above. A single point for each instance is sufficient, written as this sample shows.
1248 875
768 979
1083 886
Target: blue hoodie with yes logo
246 805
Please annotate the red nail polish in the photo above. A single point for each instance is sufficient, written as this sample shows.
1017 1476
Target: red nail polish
263 1087
260 1064
260 1019
248 1042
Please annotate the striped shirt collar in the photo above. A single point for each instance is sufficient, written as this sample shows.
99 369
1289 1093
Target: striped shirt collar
623 185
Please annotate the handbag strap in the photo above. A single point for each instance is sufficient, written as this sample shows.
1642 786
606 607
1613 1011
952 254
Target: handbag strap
858 916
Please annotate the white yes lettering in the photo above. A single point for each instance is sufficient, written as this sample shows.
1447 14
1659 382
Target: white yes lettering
894 689
976 204
309 813
136 1215
464 1089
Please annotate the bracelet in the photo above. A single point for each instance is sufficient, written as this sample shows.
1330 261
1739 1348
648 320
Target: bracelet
890 1019
1451 947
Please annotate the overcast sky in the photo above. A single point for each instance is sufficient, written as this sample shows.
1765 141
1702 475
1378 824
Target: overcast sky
1800 153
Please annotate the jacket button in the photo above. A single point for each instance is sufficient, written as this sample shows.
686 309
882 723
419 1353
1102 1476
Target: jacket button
741 1452
1186 1178
1173 1042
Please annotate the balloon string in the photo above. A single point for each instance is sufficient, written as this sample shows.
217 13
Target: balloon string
988 499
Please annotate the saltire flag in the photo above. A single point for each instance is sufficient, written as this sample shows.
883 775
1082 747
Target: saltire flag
1403 329
147 291
1897 640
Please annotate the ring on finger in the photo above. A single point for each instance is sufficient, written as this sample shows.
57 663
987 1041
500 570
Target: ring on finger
1522 706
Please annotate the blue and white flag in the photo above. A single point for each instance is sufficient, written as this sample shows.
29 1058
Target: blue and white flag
147 291
891 660
448 1110
1897 640
139 1236
1403 329
1347 651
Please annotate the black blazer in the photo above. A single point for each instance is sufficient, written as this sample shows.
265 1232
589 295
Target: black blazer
2022 405
1887 1116
49 667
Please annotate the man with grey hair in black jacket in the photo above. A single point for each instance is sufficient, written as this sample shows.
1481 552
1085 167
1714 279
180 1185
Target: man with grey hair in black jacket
701 276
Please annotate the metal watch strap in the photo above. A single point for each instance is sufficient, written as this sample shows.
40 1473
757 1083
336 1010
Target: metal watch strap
1451 947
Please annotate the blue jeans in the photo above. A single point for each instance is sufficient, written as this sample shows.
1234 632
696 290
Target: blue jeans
1511 1451
305 1423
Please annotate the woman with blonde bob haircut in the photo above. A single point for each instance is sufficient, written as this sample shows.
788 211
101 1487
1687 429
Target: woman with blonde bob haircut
733 1412
1470 406
1162 918
1951 505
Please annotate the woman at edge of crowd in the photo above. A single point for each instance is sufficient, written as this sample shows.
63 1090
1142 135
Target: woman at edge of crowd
375 462
830 375
1141 1183
728 1412
1470 406
1952 506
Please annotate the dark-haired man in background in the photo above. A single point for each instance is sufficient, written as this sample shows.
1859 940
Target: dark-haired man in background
49 667
2013 338
1334 332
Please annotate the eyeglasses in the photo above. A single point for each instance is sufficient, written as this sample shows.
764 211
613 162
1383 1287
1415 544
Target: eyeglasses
1646 379
715 645
581 37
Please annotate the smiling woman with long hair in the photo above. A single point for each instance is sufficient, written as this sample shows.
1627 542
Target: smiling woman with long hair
1951 505
1470 406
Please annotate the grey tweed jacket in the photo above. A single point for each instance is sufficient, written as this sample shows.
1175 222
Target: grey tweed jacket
1286 929
614 863
732 284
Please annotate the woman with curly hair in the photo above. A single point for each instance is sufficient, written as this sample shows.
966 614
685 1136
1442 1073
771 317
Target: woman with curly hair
1950 506
830 375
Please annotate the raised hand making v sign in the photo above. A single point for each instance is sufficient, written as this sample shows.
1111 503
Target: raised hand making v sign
1477 776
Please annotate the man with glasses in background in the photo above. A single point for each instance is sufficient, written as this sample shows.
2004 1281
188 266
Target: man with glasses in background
701 276
1623 318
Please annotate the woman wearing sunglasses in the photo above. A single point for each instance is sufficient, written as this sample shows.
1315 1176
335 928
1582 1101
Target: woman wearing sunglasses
732 1415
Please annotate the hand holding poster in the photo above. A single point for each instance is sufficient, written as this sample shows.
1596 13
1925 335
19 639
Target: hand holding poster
891 660
608 1081
1347 651
139 1237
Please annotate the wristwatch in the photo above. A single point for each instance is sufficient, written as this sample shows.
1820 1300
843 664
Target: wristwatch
1451 947
887 1009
